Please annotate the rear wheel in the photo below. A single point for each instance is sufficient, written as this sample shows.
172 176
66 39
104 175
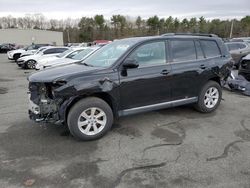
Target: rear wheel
209 97
90 119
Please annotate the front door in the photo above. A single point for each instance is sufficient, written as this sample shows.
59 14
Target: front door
148 84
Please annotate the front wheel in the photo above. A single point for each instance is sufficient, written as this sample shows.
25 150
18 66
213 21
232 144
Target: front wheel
90 119
31 64
209 98
16 57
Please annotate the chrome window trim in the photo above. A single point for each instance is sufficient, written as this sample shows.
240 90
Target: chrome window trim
175 62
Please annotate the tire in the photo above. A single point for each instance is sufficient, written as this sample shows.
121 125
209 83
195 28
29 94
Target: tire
209 98
82 112
16 57
30 64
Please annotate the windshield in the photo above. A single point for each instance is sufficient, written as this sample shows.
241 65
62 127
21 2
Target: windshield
61 55
82 54
108 54
39 50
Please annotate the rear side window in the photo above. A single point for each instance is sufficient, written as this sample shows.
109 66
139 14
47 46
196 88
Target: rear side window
50 51
199 52
60 50
210 48
242 46
232 46
183 50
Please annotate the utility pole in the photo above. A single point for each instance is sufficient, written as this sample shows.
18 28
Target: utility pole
68 35
231 31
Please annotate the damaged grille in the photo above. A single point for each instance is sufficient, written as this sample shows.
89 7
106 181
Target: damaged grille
47 106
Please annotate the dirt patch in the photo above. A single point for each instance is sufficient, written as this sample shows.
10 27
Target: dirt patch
173 134
3 90
46 142
128 131
6 80
243 134
226 151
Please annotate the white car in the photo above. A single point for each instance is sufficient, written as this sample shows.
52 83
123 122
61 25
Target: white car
65 61
67 54
15 54
30 61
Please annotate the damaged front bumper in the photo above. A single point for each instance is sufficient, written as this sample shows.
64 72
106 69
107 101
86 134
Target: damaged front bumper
42 106
43 112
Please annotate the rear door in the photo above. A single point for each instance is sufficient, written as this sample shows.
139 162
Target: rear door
188 64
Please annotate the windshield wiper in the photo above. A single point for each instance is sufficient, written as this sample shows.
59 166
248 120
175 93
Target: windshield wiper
88 65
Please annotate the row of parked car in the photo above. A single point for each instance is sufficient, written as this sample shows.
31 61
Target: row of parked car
5 47
239 48
41 56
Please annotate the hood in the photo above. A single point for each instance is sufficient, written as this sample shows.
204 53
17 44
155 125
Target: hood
247 57
26 58
61 72
63 61
17 51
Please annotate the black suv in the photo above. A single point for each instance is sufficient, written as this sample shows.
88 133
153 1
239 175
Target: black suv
131 76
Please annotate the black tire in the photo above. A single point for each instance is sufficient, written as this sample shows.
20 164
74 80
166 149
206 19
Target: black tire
81 106
30 64
23 66
200 106
16 57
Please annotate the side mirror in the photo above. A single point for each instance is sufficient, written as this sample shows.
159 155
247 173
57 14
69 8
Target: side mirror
130 63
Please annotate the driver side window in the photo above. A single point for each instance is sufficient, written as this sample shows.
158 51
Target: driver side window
150 54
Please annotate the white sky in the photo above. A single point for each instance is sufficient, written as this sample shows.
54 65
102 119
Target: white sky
62 9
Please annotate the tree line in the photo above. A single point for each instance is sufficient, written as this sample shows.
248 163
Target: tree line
88 29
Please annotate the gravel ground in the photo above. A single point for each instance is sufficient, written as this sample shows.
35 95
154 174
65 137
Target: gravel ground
176 147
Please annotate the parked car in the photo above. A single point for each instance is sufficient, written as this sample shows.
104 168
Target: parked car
16 54
4 48
131 76
66 61
244 68
32 52
238 50
68 54
29 62
241 39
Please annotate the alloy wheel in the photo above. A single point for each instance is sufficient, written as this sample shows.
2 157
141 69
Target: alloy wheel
211 97
92 121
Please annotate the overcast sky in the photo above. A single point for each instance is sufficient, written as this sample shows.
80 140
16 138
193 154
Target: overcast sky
59 9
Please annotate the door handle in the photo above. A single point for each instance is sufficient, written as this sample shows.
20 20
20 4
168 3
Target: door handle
203 67
165 72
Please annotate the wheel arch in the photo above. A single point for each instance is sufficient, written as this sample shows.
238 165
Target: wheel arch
216 79
102 95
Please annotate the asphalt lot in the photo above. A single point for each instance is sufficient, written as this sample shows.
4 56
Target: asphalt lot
173 148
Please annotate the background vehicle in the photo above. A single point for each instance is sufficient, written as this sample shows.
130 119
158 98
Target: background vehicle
81 56
30 61
16 54
4 48
66 54
238 50
131 76
241 39
244 68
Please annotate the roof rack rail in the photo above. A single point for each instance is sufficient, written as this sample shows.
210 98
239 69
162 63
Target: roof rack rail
190 34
